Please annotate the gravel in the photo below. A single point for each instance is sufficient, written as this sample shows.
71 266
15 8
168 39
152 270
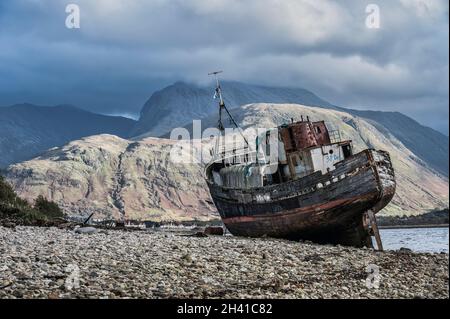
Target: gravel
58 263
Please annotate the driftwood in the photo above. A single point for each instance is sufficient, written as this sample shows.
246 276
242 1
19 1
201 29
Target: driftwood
211 230
87 219
214 230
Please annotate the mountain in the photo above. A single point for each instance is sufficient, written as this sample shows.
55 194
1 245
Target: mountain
26 130
137 179
180 103
177 105
114 177
428 144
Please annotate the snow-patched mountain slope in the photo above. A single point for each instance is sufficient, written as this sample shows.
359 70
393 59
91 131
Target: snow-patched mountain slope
428 144
27 130
113 177
179 104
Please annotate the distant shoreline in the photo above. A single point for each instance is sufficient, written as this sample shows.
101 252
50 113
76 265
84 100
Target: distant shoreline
413 226
429 220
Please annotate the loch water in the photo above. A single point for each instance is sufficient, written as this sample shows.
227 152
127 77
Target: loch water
427 240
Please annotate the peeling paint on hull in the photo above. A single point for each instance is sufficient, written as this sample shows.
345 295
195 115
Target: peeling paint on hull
300 209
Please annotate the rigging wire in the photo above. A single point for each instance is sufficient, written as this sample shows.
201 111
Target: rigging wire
234 122
218 93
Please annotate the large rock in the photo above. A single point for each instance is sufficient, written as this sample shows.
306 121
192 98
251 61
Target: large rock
86 230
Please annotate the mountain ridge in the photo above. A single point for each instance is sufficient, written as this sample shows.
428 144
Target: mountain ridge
26 130
427 143
177 105
190 101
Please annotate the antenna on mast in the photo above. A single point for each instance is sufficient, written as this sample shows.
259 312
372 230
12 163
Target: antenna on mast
218 93
218 88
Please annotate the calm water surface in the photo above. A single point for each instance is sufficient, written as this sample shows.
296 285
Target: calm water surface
416 239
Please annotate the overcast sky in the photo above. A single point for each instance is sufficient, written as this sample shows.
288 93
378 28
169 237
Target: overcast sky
124 50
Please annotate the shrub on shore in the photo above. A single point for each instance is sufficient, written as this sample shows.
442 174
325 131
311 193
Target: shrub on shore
438 217
48 208
18 210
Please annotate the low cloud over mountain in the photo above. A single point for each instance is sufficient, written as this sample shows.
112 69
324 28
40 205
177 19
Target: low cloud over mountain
126 50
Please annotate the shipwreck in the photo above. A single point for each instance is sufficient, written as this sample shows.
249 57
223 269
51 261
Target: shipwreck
316 190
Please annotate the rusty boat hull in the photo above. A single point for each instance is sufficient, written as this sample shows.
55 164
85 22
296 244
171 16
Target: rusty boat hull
324 208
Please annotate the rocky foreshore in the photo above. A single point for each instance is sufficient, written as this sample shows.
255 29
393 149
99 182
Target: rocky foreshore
60 263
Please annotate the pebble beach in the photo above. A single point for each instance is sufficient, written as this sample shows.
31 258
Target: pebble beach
40 262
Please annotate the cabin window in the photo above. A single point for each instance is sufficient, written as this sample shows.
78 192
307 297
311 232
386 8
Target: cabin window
268 144
318 130
331 152
267 180
277 178
347 150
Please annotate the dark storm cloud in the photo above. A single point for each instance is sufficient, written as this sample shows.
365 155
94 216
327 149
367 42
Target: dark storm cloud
126 49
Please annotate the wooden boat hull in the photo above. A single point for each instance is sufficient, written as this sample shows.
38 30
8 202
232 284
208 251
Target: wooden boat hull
325 208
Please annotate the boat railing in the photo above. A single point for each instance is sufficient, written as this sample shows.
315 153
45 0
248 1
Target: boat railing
236 156
335 136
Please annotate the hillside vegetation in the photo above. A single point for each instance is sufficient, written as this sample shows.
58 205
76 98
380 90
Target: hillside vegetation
16 210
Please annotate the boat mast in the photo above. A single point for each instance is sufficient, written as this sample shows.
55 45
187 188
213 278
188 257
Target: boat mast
218 93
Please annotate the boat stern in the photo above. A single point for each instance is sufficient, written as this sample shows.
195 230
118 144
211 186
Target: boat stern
385 176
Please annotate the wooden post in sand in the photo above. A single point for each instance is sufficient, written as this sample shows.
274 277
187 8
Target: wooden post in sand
374 228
